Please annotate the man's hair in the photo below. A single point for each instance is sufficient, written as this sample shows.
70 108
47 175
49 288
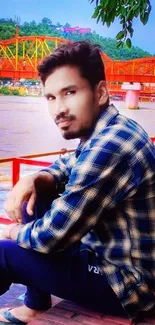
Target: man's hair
83 55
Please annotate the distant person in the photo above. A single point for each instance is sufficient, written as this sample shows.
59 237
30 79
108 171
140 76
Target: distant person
24 64
95 243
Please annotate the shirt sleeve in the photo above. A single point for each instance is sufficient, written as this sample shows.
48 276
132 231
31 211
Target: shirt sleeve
99 180
60 169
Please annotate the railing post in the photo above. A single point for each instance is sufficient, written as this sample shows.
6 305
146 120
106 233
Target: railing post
16 48
15 171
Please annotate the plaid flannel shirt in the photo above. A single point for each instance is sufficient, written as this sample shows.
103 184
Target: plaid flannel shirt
109 205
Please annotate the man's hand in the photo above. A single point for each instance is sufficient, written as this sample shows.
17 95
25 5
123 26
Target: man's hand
26 190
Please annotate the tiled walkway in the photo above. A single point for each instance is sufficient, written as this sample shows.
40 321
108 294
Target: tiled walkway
13 297
62 313
65 312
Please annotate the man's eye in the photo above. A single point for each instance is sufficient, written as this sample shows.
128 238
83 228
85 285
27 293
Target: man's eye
70 92
50 98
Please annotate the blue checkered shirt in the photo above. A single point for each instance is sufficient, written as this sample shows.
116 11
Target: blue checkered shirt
109 205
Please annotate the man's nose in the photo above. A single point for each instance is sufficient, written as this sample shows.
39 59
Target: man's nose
60 107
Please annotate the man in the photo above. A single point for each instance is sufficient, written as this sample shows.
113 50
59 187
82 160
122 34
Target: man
95 244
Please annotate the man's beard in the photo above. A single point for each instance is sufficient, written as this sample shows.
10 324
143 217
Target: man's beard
65 132
83 132
68 135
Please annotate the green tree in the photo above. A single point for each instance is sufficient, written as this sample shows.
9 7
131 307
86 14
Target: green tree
125 10
46 21
67 25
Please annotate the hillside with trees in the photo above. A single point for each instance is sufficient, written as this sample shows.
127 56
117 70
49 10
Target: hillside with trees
46 27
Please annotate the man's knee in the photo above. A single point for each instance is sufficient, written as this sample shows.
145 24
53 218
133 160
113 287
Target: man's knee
41 206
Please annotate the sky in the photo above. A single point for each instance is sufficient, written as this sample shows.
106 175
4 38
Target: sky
77 12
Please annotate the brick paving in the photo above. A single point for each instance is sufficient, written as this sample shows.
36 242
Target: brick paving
68 313
64 312
11 297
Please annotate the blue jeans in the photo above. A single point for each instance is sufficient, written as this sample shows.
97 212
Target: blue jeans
72 275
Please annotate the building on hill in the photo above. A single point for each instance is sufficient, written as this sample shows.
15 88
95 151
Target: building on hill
76 29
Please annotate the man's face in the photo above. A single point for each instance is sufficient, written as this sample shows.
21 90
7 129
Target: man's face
72 103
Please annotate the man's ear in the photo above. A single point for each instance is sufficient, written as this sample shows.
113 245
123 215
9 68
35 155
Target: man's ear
102 92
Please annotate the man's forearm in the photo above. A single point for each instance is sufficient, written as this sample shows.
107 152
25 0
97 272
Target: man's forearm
45 182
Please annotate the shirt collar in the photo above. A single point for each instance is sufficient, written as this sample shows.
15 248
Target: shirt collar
104 119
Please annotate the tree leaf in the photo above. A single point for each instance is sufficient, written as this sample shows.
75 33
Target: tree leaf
120 35
145 19
104 3
128 43
130 30
137 12
98 18
129 14
96 12
119 44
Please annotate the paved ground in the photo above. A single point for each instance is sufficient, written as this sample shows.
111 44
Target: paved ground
13 297
65 312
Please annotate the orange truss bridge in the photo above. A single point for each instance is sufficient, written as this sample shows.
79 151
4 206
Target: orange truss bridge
20 56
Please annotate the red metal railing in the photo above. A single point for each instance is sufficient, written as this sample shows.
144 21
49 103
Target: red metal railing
28 161
18 161
16 167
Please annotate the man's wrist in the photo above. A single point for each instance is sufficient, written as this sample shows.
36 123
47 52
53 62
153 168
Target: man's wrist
14 230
